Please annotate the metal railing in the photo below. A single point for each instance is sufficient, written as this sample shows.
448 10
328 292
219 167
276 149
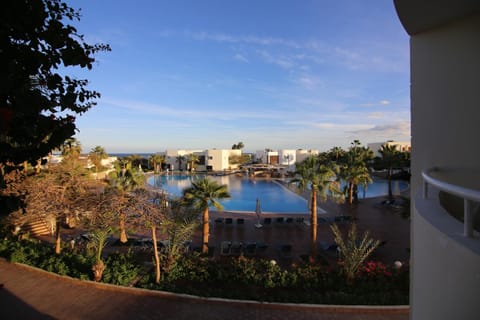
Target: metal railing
455 182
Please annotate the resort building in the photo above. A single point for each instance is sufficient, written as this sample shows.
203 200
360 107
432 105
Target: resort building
219 160
399 146
445 182
211 159
266 156
302 154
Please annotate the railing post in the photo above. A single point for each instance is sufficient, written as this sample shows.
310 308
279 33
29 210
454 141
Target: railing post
468 218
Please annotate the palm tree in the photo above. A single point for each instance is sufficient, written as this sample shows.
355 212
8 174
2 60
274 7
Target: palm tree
320 177
201 195
352 251
354 168
180 160
152 208
390 156
192 159
336 153
96 156
156 160
121 188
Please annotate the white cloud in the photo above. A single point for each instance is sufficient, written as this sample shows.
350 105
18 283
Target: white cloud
375 115
240 57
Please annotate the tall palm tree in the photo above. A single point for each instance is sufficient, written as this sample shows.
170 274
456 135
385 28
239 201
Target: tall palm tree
390 156
121 188
156 160
152 208
354 170
320 178
96 156
192 159
180 160
203 194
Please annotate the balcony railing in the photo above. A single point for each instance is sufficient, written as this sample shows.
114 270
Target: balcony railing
459 182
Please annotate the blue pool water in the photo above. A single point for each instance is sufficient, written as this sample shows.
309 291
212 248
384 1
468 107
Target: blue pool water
244 193
273 196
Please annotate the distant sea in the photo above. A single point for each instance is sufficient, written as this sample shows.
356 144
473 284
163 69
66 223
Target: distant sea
121 155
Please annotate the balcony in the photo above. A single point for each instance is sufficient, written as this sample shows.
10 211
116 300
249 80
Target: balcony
455 194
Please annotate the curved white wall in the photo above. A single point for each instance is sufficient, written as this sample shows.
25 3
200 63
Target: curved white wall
445 95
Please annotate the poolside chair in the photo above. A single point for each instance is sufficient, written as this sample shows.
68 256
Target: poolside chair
289 220
236 248
286 251
250 249
225 248
267 221
261 247
300 220
279 219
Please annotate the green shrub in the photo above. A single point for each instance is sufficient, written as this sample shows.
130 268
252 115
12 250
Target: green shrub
120 269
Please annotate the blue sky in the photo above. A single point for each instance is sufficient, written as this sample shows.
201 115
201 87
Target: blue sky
272 74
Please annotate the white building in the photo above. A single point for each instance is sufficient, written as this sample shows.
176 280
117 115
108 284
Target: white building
211 159
266 157
445 95
399 146
302 154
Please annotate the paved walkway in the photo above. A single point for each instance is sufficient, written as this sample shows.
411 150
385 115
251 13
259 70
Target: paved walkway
29 293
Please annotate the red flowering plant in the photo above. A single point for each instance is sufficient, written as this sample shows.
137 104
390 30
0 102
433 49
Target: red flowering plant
374 269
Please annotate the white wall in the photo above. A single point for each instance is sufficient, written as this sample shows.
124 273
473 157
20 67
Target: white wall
445 95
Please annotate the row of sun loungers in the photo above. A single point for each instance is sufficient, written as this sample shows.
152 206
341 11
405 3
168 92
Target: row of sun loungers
236 248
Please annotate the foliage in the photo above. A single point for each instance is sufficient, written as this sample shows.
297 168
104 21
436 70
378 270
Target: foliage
96 155
239 145
39 101
120 269
33 252
354 168
201 195
353 252
264 280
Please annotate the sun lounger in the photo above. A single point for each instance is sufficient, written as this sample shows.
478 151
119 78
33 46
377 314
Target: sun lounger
286 251
228 221
300 220
236 248
280 220
240 221
250 249
267 221
225 248
289 220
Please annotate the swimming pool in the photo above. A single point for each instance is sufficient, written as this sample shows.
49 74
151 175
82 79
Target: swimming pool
273 196
244 193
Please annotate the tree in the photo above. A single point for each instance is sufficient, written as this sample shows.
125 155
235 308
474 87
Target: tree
239 145
98 222
192 159
354 169
180 160
201 195
121 188
320 178
353 252
57 194
152 208
390 158
157 161
38 99
96 156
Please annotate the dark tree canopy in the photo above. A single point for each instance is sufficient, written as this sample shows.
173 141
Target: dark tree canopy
38 100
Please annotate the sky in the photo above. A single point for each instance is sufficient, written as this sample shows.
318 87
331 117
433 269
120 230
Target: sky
272 74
